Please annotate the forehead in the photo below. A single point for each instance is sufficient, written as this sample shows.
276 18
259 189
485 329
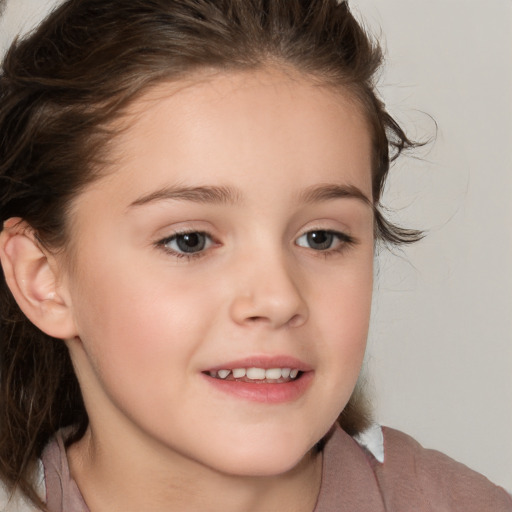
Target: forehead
267 136
246 123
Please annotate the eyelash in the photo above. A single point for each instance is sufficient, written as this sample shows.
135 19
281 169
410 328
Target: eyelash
189 256
344 242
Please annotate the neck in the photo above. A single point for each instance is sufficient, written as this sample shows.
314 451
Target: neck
112 480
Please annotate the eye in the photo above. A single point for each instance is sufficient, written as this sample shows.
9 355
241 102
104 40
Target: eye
183 244
323 240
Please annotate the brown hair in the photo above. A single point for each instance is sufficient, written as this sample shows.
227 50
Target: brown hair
60 89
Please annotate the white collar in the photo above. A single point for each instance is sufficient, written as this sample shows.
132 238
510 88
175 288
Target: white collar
372 440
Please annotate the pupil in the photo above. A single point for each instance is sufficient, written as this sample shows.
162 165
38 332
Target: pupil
191 242
320 239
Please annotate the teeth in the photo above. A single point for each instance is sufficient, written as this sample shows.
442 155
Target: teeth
256 373
273 373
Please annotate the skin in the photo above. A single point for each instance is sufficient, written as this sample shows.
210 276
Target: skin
148 323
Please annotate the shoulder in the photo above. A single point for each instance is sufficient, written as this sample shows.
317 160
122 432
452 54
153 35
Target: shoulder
430 480
16 502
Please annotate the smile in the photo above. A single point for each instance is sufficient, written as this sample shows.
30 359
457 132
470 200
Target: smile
261 375
270 380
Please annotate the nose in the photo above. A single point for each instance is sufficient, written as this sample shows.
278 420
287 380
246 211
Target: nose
268 293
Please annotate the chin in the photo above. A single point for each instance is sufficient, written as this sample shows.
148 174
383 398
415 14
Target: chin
270 467
263 457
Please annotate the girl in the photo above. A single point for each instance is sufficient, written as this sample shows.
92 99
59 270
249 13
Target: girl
190 205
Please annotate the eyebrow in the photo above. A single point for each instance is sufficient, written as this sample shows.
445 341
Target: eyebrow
229 195
207 194
319 193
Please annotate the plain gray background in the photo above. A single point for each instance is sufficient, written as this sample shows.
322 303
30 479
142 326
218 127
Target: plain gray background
440 352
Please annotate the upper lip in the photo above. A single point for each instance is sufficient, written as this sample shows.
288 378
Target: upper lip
265 362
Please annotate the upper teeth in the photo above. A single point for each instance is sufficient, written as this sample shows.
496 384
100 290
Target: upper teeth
257 373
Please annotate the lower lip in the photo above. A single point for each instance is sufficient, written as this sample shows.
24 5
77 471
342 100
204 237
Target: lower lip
264 392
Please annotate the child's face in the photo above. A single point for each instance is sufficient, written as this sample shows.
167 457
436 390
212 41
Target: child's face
268 175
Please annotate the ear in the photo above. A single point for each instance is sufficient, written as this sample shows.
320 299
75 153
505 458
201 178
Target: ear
32 274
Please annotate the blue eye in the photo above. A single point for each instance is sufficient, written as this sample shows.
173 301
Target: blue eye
187 243
323 240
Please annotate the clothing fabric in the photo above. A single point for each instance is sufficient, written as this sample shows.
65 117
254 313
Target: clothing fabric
62 493
411 478
18 502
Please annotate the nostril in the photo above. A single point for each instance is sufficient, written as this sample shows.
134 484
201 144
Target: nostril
296 320
272 309
256 318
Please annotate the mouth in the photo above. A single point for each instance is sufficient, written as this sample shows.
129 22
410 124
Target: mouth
257 375
260 379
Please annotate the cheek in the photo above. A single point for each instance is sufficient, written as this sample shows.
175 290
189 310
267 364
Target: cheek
345 293
133 323
139 343
343 312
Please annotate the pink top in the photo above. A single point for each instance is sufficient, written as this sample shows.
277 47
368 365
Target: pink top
411 478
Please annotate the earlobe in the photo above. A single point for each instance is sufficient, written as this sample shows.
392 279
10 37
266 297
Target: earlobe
32 276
